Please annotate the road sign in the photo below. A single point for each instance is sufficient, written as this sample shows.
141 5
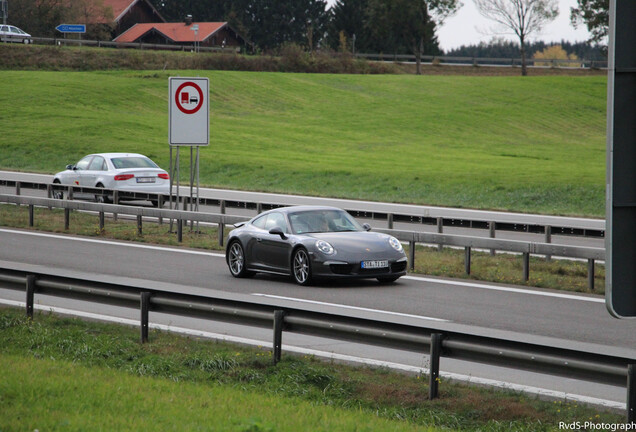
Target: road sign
71 28
189 111
620 235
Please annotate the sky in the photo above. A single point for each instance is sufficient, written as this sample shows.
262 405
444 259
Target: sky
468 27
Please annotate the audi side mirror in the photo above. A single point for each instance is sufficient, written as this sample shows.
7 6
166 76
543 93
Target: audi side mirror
70 166
366 227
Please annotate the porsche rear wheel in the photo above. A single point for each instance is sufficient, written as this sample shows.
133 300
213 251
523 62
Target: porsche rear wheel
236 261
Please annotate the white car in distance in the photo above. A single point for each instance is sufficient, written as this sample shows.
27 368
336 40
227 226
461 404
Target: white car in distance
9 33
117 171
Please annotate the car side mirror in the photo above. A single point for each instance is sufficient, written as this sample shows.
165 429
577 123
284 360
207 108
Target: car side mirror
278 231
366 227
70 166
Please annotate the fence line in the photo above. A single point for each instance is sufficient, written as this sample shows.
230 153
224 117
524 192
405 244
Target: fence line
427 59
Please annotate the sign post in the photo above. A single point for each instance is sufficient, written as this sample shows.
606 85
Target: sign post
189 126
620 235
4 10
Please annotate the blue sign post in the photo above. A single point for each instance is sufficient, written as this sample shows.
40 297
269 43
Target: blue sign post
71 28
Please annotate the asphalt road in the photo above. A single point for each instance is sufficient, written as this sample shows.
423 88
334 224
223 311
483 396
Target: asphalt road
548 313
527 314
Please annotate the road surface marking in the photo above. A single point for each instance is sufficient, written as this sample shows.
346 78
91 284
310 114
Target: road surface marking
349 307
506 289
413 278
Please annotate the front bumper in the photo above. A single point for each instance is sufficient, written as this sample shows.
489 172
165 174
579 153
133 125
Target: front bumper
354 270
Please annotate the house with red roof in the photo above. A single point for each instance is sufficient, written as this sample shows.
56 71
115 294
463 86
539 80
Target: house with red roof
110 18
209 34
127 13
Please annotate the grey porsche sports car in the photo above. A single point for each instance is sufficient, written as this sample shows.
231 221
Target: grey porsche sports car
310 242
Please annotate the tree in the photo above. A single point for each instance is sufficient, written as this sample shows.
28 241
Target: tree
552 53
40 17
349 19
595 14
523 17
409 22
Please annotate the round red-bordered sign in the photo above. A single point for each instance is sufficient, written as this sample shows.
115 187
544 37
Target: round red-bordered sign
178 100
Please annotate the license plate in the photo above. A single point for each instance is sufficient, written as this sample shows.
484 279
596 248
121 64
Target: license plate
375 264
145 179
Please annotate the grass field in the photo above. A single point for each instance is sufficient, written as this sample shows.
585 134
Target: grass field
71 375
534 144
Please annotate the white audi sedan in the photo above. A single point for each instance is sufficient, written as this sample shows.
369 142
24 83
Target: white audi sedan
117 171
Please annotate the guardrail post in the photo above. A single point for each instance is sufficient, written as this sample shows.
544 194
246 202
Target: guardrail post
279 317
101 221
69 195
467 259
49 191
31 221
259 208
17 191
180 230
389 220
412 255
115 201
590 274
491 229
160 206
548 239
145 308
440 230
631 393
436 349
67 218
526 266
221 224
30 294
139 227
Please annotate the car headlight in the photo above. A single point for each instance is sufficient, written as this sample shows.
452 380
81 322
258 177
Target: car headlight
395 244
324 247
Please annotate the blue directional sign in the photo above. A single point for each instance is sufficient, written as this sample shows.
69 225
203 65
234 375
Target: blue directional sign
71 28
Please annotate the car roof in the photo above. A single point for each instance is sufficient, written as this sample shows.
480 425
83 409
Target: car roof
295 209
112 155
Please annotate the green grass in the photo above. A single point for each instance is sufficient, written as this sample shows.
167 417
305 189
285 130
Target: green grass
556 274
533 144
71 375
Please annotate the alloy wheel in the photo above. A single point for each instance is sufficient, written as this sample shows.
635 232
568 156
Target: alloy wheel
236 260
301 267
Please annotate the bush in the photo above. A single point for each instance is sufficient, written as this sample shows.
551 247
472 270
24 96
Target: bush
290 58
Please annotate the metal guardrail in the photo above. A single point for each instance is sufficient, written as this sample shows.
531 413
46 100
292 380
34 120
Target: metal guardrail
412 237
139 45
437 216
489 61
440 340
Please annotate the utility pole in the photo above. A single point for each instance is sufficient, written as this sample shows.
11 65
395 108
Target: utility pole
4 10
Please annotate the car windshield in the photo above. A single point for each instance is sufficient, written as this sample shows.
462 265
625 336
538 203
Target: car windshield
314 221
132 162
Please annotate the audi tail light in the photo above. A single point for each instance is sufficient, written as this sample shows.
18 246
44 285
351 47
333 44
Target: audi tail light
164 176
120 177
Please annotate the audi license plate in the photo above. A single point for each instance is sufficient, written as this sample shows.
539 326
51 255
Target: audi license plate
375 264
145 179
